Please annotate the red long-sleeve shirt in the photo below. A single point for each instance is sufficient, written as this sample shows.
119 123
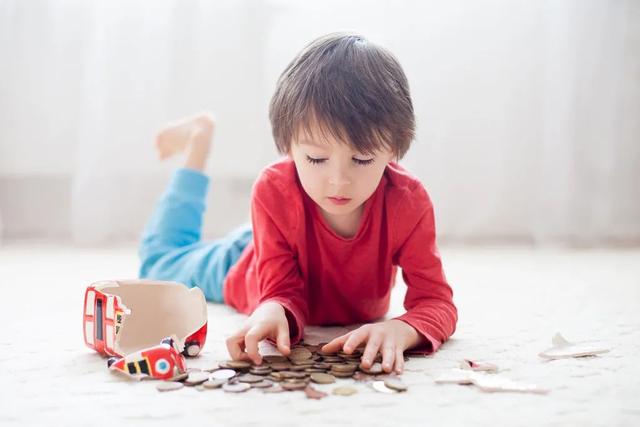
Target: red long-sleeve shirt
321 278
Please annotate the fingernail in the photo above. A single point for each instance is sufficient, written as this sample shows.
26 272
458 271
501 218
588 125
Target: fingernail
366 360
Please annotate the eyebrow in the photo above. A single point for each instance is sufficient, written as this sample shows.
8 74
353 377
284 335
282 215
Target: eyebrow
308 142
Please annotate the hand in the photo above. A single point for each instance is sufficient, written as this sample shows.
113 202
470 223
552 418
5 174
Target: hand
267 321
393 337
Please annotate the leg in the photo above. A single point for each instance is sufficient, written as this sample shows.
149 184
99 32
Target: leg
171 248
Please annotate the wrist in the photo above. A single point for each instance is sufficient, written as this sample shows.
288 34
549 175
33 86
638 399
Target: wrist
412 338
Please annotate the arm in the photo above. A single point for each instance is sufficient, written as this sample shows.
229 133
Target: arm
429 298
278 272
282 310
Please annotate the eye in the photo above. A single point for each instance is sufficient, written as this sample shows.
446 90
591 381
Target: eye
363 162
315 161
356 161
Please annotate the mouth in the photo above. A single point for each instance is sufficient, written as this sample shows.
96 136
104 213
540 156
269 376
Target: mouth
339 200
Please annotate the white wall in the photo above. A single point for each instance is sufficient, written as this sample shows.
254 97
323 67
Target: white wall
528 111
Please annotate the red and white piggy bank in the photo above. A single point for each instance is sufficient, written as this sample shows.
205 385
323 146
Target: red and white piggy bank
122 317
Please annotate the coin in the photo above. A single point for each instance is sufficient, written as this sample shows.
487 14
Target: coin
293 385
276 376
342 374
322 378
236 388
250 378
395 383
262 384
214 383
280 366
375 369
379 386
196 377
222 374
299 353
322 366
312 393
344 391
361 376
275 358
254 371
293 374
238 364
343 368
179 377
274 389
169 386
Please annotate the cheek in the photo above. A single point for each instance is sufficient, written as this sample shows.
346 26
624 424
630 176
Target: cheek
311 180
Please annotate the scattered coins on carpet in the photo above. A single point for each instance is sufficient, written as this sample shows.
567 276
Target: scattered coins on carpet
305 366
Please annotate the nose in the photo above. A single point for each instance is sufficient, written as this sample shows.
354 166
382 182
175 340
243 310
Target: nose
339 177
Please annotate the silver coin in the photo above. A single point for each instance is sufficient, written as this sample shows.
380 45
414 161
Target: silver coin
222 374
379 386
236 388
395 384
196 377
169 386
214 383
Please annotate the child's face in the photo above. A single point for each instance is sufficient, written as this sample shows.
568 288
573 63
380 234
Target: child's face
328 168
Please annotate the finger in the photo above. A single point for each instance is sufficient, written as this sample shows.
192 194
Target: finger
251 340
283 341
335 344
399 361
357 337
388 356
235 345
371 350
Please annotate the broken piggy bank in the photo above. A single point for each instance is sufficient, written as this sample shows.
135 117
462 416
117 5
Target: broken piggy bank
162 362
122 317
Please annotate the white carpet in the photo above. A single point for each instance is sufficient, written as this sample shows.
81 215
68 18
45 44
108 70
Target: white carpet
511 301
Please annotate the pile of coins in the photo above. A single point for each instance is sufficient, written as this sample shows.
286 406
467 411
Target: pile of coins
305 365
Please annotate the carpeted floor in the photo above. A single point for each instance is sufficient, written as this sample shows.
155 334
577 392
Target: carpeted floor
511 302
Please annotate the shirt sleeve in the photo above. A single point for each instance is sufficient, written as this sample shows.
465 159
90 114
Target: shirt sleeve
279 277
429 298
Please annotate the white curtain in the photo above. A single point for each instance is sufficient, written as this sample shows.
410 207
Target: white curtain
528 111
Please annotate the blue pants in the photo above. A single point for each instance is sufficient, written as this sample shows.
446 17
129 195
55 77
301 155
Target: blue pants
171 249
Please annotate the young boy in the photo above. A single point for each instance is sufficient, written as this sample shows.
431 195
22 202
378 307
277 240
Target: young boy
330 223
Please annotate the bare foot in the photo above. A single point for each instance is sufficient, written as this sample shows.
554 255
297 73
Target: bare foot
192 134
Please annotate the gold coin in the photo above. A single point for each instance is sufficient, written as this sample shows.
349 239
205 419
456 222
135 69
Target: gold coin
297 385
344 391
292 374
280 366
275 358
322 378
375 369
343 368
238 364
342 374
299 353
276 376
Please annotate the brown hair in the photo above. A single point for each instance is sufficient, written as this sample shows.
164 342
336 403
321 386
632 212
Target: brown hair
350 89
